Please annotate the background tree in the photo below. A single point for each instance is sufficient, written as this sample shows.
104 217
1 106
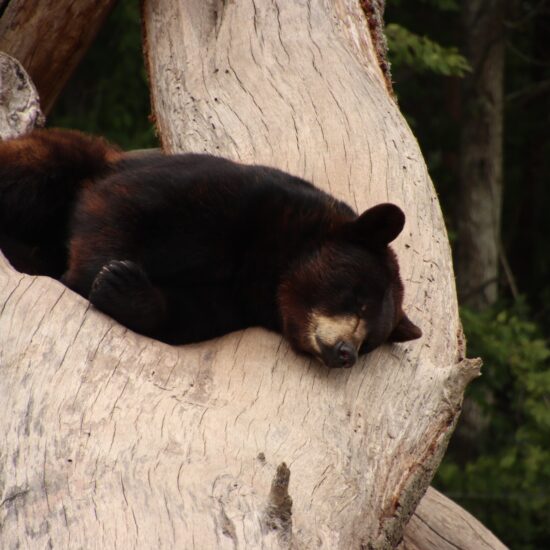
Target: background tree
481 162
500 473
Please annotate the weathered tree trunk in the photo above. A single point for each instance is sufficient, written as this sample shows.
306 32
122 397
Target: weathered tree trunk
49 38
297 85
480 193
113 439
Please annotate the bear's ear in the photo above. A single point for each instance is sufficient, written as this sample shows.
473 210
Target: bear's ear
378 226
404 331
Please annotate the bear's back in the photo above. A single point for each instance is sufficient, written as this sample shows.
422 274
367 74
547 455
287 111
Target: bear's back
193 213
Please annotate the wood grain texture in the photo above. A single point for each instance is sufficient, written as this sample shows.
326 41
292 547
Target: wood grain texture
297 85
19 102
440 524
50 37
113 439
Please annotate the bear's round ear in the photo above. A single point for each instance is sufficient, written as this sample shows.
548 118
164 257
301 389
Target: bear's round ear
404 331
378 226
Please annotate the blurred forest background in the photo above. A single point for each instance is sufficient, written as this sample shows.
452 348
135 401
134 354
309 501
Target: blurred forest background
473 80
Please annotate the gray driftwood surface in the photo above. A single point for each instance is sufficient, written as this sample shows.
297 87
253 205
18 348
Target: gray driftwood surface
110 439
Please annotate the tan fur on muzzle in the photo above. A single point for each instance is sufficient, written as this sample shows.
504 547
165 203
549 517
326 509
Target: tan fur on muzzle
329 330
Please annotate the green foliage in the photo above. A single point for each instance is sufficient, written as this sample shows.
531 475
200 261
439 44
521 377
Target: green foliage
502 475
423 54
506 483
108 94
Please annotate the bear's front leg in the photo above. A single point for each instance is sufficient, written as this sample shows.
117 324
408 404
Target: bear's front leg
123 291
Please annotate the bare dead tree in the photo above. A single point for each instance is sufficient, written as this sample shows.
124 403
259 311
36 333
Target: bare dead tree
116 439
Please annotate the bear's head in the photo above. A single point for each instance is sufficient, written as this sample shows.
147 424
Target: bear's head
345 296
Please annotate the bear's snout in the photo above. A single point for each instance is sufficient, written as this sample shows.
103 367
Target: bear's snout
341 355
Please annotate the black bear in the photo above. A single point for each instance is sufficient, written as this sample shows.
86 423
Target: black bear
187 247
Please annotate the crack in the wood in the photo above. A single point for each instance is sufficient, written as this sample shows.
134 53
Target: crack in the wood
178 483
20 297
171 372
135 523
310 32
280 30
255 17
112 438
431 528
296 132
123 489
219 15
342 111
8 297
323 476
172 523
39 324
66 523
425 463
247 92
44 482
17 494
27 417
70 346
117 399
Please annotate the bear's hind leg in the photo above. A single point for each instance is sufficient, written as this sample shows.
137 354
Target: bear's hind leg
123 290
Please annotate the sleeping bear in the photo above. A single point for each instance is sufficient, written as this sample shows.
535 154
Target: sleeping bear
187 247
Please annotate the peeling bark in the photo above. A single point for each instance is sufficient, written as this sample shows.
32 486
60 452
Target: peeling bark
374 12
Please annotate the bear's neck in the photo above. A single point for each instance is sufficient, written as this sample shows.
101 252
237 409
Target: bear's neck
302 233
296 227
288 234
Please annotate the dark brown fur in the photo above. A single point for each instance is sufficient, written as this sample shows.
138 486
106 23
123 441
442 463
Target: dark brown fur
41 175
186 247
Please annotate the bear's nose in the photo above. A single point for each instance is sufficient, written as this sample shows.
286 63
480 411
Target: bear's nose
346 354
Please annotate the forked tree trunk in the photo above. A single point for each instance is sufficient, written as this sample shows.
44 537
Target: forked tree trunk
113 439
49 38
